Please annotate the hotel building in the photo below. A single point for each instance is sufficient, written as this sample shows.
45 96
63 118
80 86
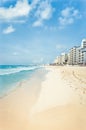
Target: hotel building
76 55
62 59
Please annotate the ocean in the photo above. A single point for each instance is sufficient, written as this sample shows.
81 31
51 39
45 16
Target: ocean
11 75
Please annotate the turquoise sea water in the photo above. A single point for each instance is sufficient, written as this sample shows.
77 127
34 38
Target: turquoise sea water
10 75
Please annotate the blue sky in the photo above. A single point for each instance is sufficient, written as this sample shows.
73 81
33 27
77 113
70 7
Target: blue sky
36 31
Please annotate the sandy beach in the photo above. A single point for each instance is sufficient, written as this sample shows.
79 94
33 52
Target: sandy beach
54 99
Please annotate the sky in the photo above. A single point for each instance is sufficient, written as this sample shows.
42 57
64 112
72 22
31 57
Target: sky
37 31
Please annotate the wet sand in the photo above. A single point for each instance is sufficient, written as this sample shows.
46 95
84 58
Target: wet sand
48 101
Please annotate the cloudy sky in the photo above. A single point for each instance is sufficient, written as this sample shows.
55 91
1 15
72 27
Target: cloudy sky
36 31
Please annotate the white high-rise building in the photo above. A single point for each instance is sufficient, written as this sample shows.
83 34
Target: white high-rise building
82 53
82 57
73 56
77 55
83 43
62 59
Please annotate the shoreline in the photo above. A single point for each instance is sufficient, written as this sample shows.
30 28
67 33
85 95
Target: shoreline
21 84
52 99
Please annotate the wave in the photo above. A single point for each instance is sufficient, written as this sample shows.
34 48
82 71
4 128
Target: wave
16 70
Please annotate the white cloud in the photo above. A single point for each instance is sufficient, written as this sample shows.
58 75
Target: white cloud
37 23
21 9
41 11
9 29
44 12
60 47
34 3
68 16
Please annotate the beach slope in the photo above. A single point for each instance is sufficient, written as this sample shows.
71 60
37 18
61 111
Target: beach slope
55 101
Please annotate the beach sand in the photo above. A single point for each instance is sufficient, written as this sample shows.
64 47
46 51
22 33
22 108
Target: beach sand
55 100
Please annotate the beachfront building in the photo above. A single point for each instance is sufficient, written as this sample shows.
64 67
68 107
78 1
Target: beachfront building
84 59
83 43
76 56
62 59
56 61
73 56
82 56
83 52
